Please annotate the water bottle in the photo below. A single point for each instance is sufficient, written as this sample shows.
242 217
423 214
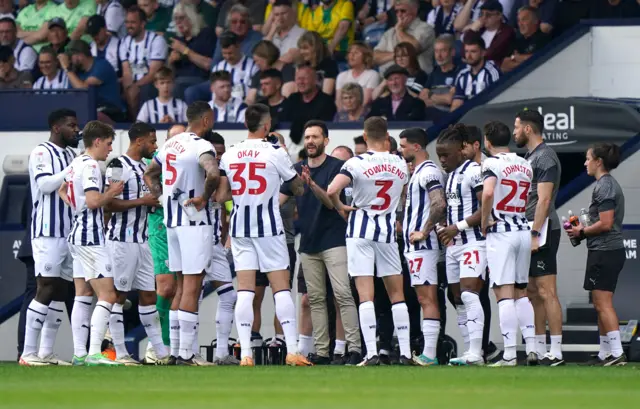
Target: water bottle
114 171
628 331
573 219
585 218
567 226
192 213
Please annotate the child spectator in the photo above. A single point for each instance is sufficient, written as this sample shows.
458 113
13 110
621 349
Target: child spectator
164 109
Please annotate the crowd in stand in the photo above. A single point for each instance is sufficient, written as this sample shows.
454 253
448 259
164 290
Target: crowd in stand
334 60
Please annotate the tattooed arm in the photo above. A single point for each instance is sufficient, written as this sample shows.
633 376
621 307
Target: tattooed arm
209 163
152 178
437 210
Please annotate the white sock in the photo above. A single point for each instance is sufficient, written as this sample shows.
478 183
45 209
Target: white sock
430 332
541 345
340 347
54 319
286 313
244 321
556 346
368 326
188 326
116 327
605 347
615 343
151 321
305 345
80 324
462 324
99 322
475 321
195 345
224 318
36 317
526 319
508 327
174 333
400 314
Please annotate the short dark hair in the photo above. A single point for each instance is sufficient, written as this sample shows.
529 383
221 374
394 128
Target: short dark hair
359 140
9 20
609 153
6 53
320 124
415 135
196 110
497 133
474 38
220 76
228 38
58 115
135 9
302 154
48 50
287 3
458 134
376 128
393 145
474 134
271 73
140 130
217 138
533 118
94 130
254 116
79 47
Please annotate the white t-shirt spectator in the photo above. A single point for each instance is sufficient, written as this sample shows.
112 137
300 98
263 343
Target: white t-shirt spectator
290 40
241 74
25 56
153 47
368 79
114 16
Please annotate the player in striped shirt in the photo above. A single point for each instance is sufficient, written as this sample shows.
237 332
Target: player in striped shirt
507 179
379 179
466 260
51 221
253 170
185 172
425 208
84 193
164 109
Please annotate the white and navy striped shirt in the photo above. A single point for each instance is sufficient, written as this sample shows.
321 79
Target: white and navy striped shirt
88 224
232 112
114 16
110 52
139 55
154 110
129 226
513 180
59 81
469 85
25 56
241 74
378 180
50 216
255 170
216 217
426 178
462 186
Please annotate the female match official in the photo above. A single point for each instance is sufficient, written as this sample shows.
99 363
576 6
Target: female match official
606 254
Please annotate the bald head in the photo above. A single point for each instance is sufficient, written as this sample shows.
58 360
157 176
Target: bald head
343 153
175 130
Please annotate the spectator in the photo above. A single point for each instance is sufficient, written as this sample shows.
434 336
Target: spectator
399 105
266 56
479 73
271 94
24 56
406 57
360 145
360 59
352 107
530 39
92 72
308 103
191 49
440 87
256 14
409 28
613 9
283 30
158 18
374 12
52 76
57 36
443 16
315 53
164 109
239 23
498 37
205 8
32 23
334 21
105 46
546 12
11 78
113 14
142 53
471 12
75 14
226 107
6 9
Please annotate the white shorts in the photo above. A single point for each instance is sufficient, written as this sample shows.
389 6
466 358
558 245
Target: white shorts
423 266
466 261
219 269
94 261
52 257
133 266
189 248
264 254
508 256
364 255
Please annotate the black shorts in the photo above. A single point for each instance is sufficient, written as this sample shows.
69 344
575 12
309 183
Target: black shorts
603 269
263 281
302 285
544 263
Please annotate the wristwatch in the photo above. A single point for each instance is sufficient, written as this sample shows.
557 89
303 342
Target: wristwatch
582 235
535 233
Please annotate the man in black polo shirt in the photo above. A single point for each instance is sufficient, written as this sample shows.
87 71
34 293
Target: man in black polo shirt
323 245
530 39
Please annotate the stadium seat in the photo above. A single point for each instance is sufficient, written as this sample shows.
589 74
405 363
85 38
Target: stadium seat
14 189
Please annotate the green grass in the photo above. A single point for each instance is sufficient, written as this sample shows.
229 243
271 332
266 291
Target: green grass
320 387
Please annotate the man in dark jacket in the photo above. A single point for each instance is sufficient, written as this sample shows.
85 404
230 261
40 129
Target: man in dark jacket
399 105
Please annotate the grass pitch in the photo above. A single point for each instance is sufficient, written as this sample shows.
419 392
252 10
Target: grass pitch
319 387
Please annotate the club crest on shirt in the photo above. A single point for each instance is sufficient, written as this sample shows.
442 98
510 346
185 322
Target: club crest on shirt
107 267
48 267
123 281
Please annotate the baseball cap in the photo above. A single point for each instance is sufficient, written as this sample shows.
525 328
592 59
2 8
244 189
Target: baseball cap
6 53
395 69
492 5
78 47
57 22
95 24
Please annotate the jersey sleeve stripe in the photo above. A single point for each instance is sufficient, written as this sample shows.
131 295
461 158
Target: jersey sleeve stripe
89 189
43 174
346 173
157 160
287 181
